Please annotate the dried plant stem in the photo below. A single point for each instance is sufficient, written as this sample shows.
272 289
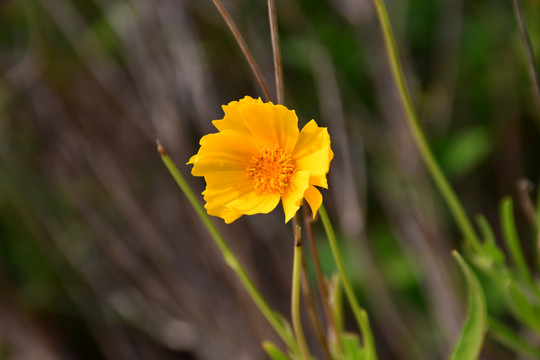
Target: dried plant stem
243 46
320 282
531 62
278 64
307 292
524 188
442 183
359 313
295 294
229 256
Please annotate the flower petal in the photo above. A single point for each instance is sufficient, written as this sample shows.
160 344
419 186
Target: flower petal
314 199
224 212
232 118
224 151
271 124
313 153
223 188
255 203
317 164
236 182
294 193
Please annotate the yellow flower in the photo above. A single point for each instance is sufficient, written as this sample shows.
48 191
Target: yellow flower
258 158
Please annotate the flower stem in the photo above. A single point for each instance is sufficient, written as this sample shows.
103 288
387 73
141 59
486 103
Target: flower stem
307 293
295 297
448 194
229 256
359 313
320 282
245 50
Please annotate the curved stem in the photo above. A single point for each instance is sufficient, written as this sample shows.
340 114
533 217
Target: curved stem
243 46
359 313
295 301
448 194
229 256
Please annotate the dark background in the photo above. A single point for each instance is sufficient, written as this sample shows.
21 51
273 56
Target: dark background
101 256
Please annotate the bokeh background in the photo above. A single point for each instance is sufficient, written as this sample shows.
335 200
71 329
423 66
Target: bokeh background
101 256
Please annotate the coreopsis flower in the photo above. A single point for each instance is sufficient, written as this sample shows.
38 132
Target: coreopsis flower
260 157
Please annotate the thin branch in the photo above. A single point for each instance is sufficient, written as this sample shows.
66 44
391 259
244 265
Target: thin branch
531 62
307 293
243 46
524 188
278 63
320 280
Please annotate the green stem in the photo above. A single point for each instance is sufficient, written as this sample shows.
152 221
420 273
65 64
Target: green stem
359 313
295 301
450 197
229 256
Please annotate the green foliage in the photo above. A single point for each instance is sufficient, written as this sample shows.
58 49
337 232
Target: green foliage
274 352
513 282
524 304
511 339
472 336
512 240
462 152
353 347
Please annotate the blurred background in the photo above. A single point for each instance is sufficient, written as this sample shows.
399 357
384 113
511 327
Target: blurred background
101 256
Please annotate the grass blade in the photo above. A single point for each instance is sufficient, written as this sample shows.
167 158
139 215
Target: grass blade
512 240
472 337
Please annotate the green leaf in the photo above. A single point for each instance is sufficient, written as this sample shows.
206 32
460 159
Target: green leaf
486 230
274 352
472 337
352 347
288 334
524 306
489 253
512 239
462 153
511 339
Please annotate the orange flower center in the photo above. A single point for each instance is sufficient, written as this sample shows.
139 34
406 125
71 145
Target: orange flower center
272 170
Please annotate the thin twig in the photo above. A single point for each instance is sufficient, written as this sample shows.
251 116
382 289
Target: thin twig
243 46
524 188
320 281
278 64
531 62
307 292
